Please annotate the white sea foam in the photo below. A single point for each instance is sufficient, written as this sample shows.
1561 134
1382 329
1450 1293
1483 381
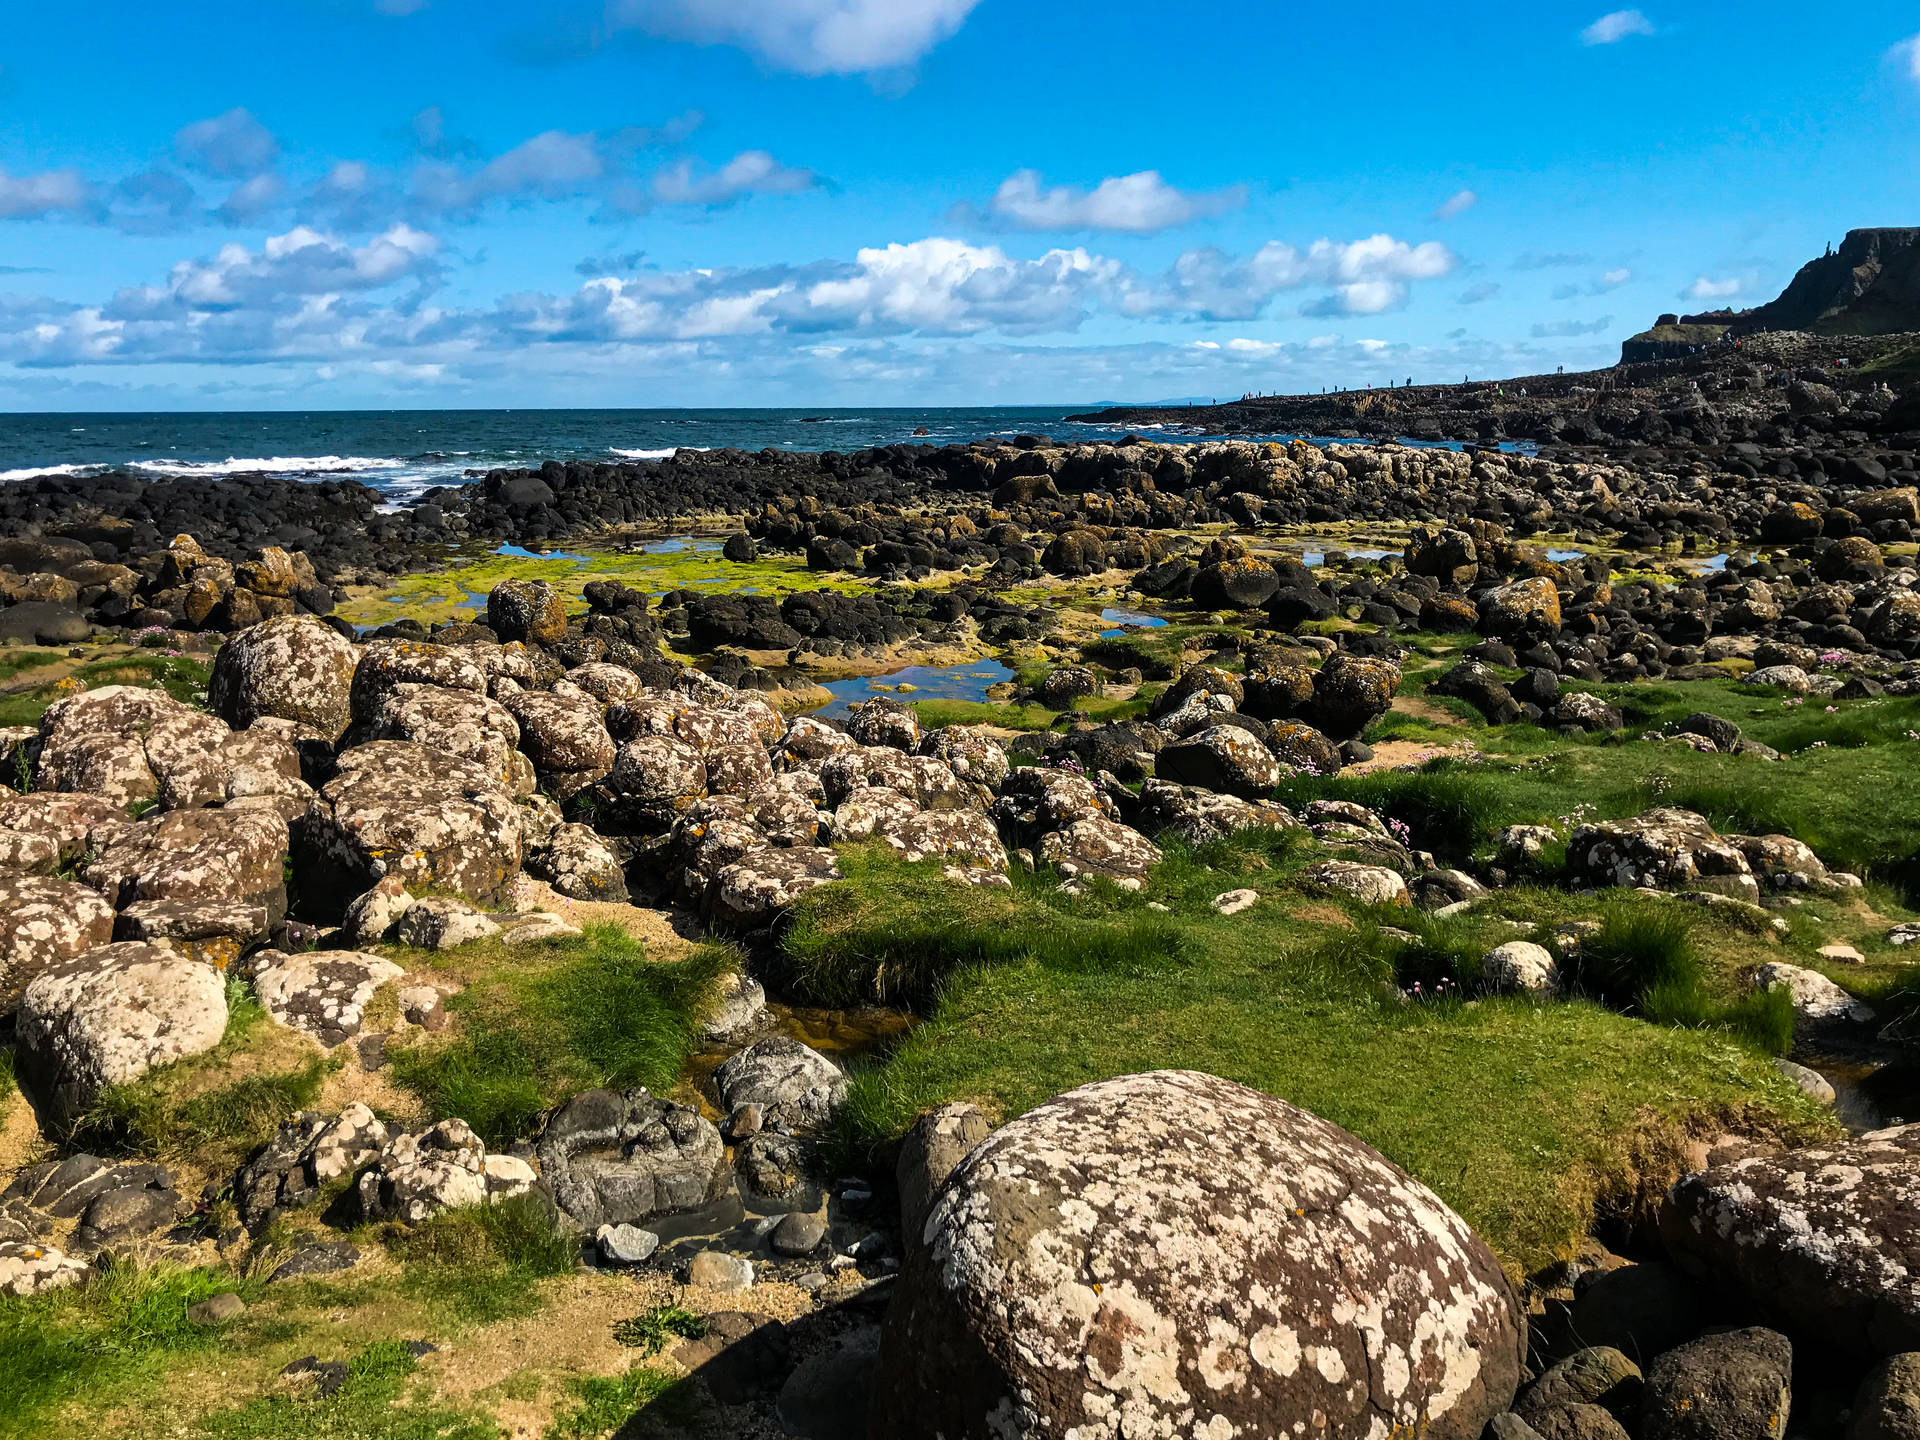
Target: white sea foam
36 471
666 454
270 465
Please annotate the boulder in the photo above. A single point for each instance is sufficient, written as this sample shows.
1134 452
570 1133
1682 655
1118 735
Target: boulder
757 889
1350 692
1887 1404
214 932
462 723
1598 1375
1660 850
1519 965
306 1153
579 865
1199 817
1106 1265
1369 884
971 754
108 1016
616 1159
1818 1003
43 831
398 808
29 1268
442 923
124 743
44 921
795 1087
1525 609
386 664
322 993
564 736
225 856
529 610
418 1176
1820 1240
1221 757
937 1142
1735 1385
1100 848
293 668
884 722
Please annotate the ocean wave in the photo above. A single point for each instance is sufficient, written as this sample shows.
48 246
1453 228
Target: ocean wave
270 465
34 472
666 454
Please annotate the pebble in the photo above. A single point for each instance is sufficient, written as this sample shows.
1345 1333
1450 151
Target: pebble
1234 901
712 1270
798 1234
626 1244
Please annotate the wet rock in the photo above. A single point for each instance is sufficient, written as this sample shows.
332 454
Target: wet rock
289 668
1660 850
1735 1385
44 921
108 1016
322 993
1818 1240
1224 1311
435 822
795 1086
1369 884
614 1159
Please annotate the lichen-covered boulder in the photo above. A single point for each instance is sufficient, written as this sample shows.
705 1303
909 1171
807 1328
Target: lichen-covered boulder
385 664
1821 1241
1519 966
1525 608
1734 1385
1276 692
1817 1001
1303 748
120 742
289 668
398 808
440 922
884 721
795 1086
970 753
579 865
462 723
1111 1265
108 1016
220 855
1369 884
763 884
305 1153
1221 757
658 773
45 830
44 921
1350 692
865 812
563 735
530 610
322 993
418 1176
963 835
1200 817
928 781
614 1159
1660 850
214 932
810 741
1098 847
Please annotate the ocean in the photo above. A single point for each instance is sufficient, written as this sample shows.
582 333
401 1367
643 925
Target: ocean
403 452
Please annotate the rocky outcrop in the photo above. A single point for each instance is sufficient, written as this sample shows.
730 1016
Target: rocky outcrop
1660 850
1821 1241
614 1159
292 668
1108 1265
221 856
44 921
322 993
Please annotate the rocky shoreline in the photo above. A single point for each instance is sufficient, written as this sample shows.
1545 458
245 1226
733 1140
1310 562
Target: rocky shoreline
357 834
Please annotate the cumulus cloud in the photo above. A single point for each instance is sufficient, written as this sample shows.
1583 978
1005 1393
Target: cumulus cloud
51 192
1139 204
233 146
1705 287
1906 55
1614 279
1364 277
1611 28
553 165
752 172
1566 329
1479 294
812 37
1456 204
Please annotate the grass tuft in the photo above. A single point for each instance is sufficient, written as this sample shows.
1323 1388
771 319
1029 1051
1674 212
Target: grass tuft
483 1264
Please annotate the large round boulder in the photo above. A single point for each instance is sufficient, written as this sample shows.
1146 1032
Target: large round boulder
1172 1254
529 610
290 668
1350 692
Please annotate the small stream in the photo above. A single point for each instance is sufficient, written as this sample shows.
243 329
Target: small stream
1871 1090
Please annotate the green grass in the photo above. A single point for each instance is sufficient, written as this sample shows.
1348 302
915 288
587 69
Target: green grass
482 1265
12 662
653 1330
183 677
936 713
373 1404
602 1405
1524 1117
98 1339
539 1023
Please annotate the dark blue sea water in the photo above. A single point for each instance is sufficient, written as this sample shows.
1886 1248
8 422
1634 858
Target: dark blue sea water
403 452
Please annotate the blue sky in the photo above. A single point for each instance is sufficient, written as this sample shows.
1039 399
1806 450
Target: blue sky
428 203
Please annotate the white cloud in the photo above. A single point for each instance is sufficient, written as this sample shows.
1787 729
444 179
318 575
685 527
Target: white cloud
813 37
1456 204
1138 204
752 172
551 166
1617 26
1907 56
1614 279
251 199
1479 294
1707 288
51 192
1565 329
234 146
1364 277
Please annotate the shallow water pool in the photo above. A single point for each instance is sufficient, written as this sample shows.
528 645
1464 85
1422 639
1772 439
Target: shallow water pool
944 682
